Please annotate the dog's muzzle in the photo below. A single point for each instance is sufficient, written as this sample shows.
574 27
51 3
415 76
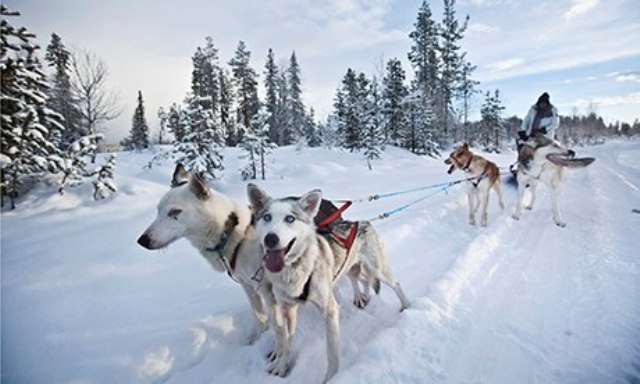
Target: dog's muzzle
273 257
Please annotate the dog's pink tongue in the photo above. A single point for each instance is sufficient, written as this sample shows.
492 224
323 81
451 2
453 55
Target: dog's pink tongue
274 260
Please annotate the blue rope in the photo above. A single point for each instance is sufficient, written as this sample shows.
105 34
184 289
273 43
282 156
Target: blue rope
445 189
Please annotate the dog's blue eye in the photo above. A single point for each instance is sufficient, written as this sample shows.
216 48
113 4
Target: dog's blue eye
174 213
289 219
267 217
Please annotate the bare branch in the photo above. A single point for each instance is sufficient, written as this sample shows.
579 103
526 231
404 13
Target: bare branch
97 103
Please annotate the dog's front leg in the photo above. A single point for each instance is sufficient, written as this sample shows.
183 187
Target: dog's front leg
280 354
521 188
532 192
555 192
332 317
261 319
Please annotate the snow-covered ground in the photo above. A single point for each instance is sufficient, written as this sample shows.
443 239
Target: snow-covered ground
515 302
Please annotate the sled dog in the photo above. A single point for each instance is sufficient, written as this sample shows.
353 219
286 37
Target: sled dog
550 158
219 227
302 266
483 175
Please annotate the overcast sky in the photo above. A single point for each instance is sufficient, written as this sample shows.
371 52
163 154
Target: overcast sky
585 53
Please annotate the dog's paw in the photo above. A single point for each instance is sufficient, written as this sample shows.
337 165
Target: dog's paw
529 207
361 300
515 217
279 369
274 355
472 221
560 223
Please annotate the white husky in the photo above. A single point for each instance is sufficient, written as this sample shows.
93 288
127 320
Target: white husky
547 166
302 266
219 228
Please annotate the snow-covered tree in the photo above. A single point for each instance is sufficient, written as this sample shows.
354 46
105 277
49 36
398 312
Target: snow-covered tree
420 137
199 149
295 108
423 54
30 130
465 91
257 146
491 124
104 185
452 63
246 85
394 93
163 119
271 87
139 133
60 96
347 112
373 137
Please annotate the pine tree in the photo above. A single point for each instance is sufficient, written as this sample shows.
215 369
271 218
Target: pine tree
257 146
139 134
163 120
394 93
347 113
61 98
245 81
272 105
311 131
491 122
227 122
199 149
296 110
373 124
204 77
29 129
174 122
452 61
104 184
423 54
465 91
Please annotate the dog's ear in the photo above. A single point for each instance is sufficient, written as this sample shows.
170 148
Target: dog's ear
310 202
465 146
180 176
198 186
257 197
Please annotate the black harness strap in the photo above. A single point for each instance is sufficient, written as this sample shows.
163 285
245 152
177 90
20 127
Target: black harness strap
305 291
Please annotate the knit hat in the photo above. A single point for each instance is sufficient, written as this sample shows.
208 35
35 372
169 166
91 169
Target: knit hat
543 98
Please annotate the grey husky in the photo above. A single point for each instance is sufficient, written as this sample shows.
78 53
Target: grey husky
548 164
302 266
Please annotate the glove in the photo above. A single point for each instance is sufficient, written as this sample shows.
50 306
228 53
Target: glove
543 130
522 135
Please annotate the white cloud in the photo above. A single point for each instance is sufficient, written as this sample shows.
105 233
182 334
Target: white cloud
505 65
580 7
483 28
607 101
628 77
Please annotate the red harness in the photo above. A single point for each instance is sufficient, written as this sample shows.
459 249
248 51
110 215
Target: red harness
346 242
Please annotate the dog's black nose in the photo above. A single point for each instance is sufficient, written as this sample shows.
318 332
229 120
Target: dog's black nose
271 240
145 241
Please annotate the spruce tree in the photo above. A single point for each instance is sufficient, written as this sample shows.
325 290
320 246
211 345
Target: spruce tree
423 54
373 136
394 93
29 129
465 91
227 122
246 86
491 122
452 62
61 98
296 110
200 147
139 134
271 103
